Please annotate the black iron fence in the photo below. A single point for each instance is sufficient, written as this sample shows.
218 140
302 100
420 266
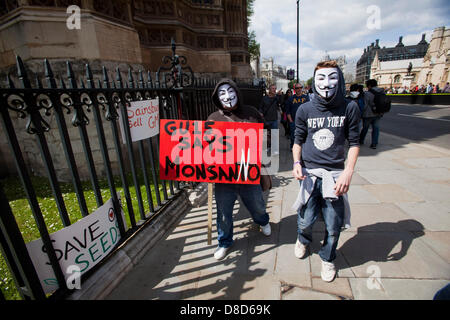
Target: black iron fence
68 130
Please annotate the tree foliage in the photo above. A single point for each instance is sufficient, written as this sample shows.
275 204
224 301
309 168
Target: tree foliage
253 45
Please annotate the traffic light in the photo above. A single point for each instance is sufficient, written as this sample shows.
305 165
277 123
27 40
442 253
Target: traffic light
291 74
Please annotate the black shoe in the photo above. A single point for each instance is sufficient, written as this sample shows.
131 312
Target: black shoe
373 146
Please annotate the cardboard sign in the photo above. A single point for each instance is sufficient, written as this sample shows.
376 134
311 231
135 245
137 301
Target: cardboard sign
82 244
210 151
143 120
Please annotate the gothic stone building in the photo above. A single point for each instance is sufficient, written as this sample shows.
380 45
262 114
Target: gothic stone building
399 52
212 34
432 68
135 34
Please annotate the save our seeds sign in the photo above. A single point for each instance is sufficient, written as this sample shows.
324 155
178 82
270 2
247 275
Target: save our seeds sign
143 119
79 246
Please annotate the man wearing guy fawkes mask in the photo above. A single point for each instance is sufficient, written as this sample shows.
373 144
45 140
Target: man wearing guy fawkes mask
322 127
227 98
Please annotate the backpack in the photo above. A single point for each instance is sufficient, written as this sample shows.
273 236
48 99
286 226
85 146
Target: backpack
382 103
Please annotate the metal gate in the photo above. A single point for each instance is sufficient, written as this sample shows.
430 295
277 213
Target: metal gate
52 117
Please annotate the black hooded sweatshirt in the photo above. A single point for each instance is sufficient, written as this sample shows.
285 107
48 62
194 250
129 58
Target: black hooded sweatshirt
322 126
242 113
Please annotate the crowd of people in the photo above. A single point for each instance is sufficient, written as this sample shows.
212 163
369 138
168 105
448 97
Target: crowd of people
286 105
427 89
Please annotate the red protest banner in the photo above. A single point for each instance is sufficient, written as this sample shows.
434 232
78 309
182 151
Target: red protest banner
210 151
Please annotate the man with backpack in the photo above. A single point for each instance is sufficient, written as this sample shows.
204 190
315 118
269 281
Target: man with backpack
376 103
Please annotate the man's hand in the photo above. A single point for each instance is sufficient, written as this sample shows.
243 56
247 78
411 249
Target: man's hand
297 172
343 182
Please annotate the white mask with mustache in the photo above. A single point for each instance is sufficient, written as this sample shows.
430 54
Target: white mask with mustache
227 96
326 81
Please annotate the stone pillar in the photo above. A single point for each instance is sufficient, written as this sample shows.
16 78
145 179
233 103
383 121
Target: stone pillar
87 4
407 81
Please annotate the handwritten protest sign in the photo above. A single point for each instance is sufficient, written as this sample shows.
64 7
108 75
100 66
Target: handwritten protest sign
82 244
209 151
143 120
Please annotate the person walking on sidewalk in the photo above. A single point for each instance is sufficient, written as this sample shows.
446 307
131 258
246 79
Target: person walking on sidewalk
284 120
227 98
270 106
322 127
292 106
370 118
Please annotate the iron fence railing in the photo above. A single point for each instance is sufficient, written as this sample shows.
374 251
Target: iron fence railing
73 108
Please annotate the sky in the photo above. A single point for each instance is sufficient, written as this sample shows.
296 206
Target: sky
341 27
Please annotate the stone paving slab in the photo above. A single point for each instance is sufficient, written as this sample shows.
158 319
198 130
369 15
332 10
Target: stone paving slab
358 194
439 242
434 216
381 217
339 287
431 191
400 228
392 193
294 293
398 254
443 162
396 289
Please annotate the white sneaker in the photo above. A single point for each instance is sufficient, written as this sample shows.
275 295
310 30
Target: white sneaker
220 253
266 230
300 249
328 271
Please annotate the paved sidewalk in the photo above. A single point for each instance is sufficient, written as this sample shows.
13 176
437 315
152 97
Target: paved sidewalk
397 248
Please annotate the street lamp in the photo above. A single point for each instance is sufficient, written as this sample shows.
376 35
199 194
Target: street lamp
297 39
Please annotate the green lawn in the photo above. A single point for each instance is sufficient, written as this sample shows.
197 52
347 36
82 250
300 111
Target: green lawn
24 218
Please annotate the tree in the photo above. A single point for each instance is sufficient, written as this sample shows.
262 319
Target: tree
253 45
309 81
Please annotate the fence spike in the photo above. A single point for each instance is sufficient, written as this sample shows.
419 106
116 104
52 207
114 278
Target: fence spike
9 81
71 76
89 77
48 72
62 83
119 79
149 79
157 79
130 78
82 84
38 82
99 83
141 79
105 77
22 73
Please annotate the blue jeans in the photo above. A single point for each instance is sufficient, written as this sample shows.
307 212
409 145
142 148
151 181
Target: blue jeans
367 122
333 215
226 195
273 124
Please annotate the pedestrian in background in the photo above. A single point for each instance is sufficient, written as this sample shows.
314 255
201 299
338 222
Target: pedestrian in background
284 119
292 106
270 107
446 88
370 118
